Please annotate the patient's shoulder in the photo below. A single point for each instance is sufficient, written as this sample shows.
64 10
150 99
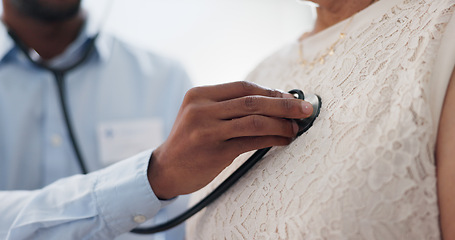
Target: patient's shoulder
445 152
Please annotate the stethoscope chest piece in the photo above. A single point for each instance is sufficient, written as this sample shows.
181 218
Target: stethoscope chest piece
315 100
304 125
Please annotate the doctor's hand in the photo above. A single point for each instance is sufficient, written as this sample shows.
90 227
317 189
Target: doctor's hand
214 125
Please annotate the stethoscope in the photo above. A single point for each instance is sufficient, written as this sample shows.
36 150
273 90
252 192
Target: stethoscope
59 76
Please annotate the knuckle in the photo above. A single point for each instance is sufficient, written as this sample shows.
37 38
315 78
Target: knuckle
251 103
257 123
227 107
287 128
269 92
294 129
274 93
238 125
247 87
193 94
194 112
287 104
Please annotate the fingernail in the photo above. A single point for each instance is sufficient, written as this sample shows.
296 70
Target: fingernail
307 108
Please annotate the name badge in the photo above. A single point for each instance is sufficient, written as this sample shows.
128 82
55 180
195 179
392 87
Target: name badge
122 139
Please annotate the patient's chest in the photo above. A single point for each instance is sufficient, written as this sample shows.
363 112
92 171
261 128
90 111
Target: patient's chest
363 167
365 170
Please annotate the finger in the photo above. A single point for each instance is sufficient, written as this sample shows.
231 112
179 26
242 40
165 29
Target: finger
257 125
222 92
246 144
258 105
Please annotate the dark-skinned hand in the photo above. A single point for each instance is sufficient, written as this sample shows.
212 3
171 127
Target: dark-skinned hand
215 124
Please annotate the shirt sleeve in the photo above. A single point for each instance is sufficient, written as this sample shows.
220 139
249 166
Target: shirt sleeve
100 205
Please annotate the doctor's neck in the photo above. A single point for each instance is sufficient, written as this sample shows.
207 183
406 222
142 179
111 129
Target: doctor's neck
48 38
331 12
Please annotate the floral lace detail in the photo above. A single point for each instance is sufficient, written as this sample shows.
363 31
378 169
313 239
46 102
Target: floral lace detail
366 169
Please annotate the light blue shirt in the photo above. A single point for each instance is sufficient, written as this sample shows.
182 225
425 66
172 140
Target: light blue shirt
117 83
100 205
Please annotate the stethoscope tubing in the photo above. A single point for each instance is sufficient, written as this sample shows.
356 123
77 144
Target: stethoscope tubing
60 81
215 194
59 75
304 125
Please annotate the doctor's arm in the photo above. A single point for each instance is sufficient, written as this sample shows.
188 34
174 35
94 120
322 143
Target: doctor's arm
99 205
215 124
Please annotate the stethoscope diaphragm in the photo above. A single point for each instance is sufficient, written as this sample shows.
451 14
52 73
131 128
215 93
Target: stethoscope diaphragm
315 100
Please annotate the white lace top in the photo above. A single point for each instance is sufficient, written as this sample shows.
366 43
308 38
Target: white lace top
366 169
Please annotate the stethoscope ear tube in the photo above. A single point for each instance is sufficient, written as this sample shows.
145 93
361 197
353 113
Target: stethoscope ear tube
304 125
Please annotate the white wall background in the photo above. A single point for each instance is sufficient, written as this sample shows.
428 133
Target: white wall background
216 40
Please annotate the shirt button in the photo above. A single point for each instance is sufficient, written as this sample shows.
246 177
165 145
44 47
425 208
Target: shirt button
56 140
139 218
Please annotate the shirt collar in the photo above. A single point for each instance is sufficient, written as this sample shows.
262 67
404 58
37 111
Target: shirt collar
102 43
6 43
89 30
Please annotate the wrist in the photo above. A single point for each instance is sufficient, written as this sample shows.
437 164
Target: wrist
159 180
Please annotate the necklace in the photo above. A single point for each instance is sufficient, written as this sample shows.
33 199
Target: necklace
329 51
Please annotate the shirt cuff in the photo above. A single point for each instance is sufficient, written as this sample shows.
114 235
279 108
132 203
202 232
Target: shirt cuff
124 196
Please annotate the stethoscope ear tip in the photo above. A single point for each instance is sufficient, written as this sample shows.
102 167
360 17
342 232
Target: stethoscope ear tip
316 102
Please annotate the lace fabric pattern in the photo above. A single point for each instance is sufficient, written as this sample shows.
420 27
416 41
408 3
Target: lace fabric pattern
366 169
